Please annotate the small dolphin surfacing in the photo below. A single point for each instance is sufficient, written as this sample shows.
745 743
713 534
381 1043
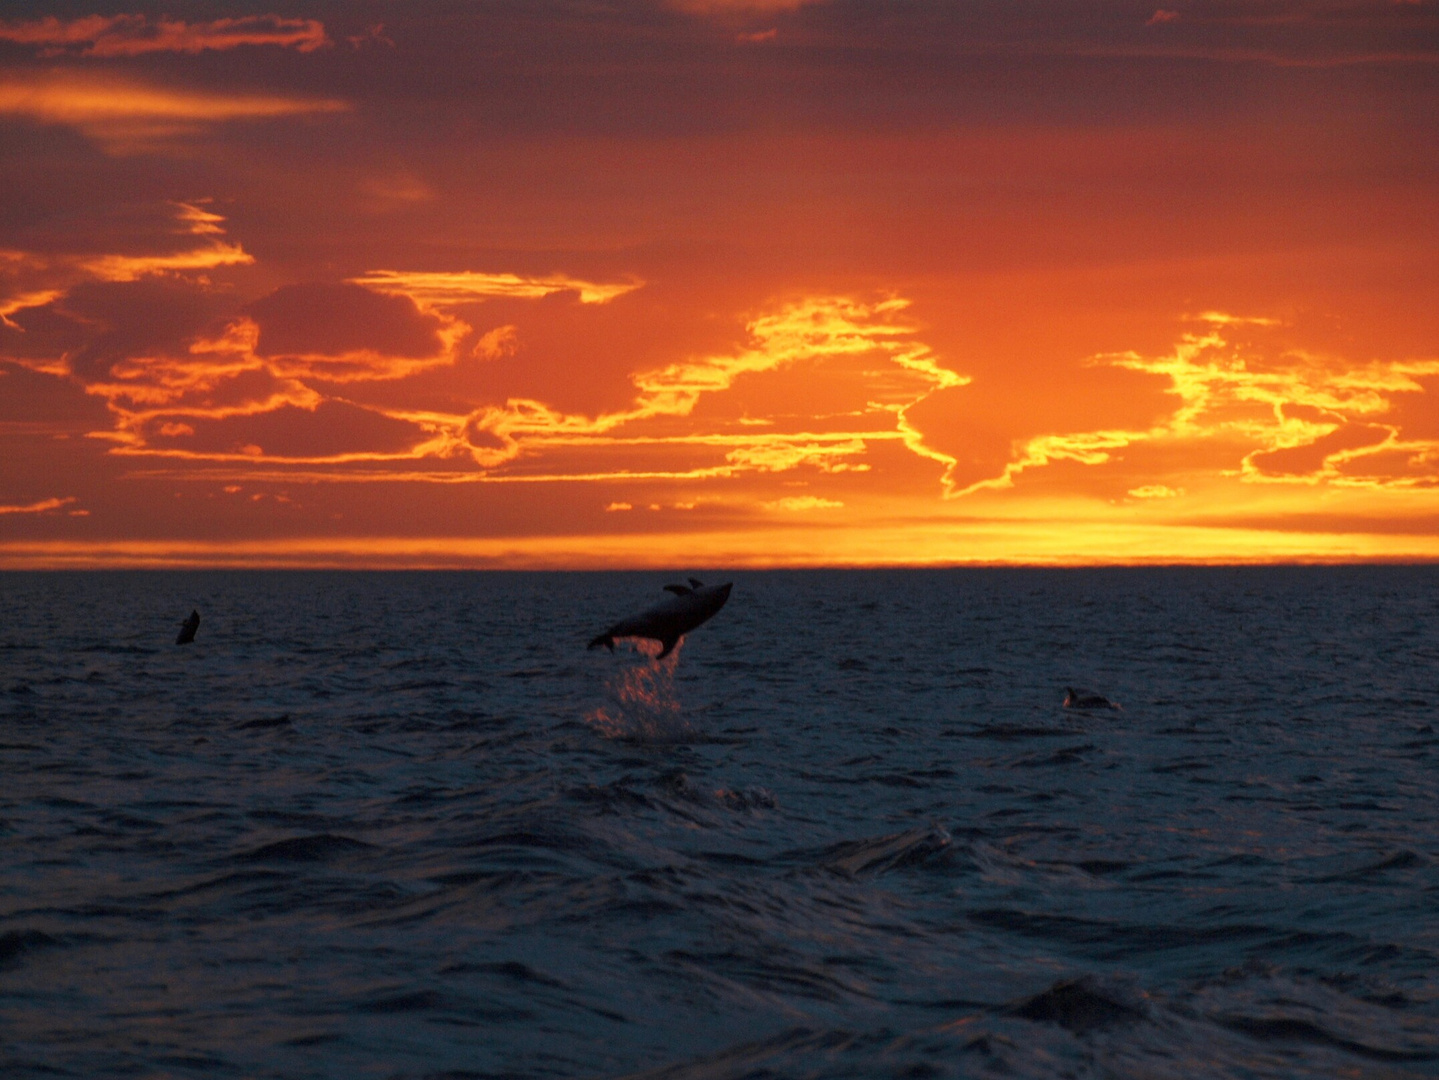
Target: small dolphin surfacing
188 628
1082 699
671 619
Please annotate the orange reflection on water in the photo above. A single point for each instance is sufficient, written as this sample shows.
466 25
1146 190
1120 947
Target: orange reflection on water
643 705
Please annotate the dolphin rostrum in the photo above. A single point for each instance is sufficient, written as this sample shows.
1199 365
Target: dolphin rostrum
668 620
188 628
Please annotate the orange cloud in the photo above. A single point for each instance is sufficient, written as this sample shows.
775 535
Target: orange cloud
21 300
1155 491
294 353
231 376
821 390
197 221
808 413
44 506
437 289
29 280
283 359
134 35
1287 416
821 332
801 503
128 116
501 341
134 267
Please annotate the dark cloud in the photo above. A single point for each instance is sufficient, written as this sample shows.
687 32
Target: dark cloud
113 321
334 319
39 405
331 428
651 69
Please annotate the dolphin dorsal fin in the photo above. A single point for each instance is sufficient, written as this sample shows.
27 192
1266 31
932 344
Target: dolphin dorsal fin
679 590
696 583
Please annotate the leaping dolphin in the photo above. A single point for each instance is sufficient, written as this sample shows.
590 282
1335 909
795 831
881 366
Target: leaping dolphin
668 620
188 628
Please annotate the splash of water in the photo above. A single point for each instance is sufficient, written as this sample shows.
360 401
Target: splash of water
643 705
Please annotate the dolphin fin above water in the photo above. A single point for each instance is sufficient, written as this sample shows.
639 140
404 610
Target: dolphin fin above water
670 619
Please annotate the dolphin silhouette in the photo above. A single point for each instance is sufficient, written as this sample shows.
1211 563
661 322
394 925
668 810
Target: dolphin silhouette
1081 699
668 620
188 628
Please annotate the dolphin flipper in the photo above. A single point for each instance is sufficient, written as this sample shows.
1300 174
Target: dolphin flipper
606 639
669 645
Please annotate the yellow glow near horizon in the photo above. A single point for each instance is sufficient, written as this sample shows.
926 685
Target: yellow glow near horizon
977 544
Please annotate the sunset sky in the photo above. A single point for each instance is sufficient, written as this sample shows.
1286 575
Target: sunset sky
711 282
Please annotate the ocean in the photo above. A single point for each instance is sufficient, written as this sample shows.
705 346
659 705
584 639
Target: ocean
406 825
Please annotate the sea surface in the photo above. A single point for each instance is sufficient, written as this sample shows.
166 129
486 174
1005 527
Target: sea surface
405 825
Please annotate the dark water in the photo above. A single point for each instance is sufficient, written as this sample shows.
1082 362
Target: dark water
404 825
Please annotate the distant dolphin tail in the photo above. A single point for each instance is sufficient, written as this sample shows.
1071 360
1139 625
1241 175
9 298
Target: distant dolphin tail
607 640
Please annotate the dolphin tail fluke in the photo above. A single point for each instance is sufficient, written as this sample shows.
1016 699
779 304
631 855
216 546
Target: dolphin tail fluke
669 646
607 640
